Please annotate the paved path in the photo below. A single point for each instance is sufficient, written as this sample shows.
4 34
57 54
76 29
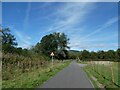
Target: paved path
71 77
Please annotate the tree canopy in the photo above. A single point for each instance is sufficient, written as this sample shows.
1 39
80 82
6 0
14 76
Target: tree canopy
56 42
8 40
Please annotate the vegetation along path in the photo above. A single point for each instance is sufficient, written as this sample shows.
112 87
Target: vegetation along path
71 77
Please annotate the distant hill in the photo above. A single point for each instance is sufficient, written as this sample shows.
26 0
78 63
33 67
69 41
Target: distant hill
73 51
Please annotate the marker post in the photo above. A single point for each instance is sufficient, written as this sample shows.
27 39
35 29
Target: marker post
52 54
52 59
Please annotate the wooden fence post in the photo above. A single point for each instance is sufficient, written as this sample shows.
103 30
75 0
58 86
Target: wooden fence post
112 73
93 65
103 70
97 67
18 65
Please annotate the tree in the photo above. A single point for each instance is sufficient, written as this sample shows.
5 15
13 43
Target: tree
56 42
85 54
80 55
37 48
93 55
48 44
111 54
72 55
62 47
101 54
118 54
8 40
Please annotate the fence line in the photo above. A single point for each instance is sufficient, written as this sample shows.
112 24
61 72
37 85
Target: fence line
106 69
14 65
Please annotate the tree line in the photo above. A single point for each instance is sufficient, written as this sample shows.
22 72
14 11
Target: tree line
110 55
56 43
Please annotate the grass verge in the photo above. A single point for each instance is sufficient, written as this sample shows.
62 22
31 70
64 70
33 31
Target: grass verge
92 80
35 78
98 80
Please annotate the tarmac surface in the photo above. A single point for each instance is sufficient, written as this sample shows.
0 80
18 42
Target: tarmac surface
70 77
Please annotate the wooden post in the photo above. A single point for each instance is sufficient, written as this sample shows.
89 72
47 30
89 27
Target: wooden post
18 65
52 59
103 70
97 66
112 73
93 65
52 54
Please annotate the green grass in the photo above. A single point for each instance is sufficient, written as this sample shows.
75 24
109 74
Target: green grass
103 75
35 78
93 81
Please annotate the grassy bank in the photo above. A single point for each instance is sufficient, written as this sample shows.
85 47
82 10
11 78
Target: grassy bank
103 75
36 77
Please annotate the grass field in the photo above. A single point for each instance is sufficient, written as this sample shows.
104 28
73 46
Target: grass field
35 78
106 73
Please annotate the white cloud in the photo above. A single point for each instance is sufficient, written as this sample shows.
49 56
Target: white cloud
23 40
27 46
93 46
44 5
87 42
102 27
27 15
69 14
28 38
75 13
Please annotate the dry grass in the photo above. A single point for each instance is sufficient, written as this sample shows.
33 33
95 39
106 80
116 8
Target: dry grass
14 65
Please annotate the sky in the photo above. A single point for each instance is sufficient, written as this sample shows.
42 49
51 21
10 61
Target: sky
89 25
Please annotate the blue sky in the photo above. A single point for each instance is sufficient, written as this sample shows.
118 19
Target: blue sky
88 25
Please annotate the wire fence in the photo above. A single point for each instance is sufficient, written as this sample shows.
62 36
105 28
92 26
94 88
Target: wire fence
107 69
